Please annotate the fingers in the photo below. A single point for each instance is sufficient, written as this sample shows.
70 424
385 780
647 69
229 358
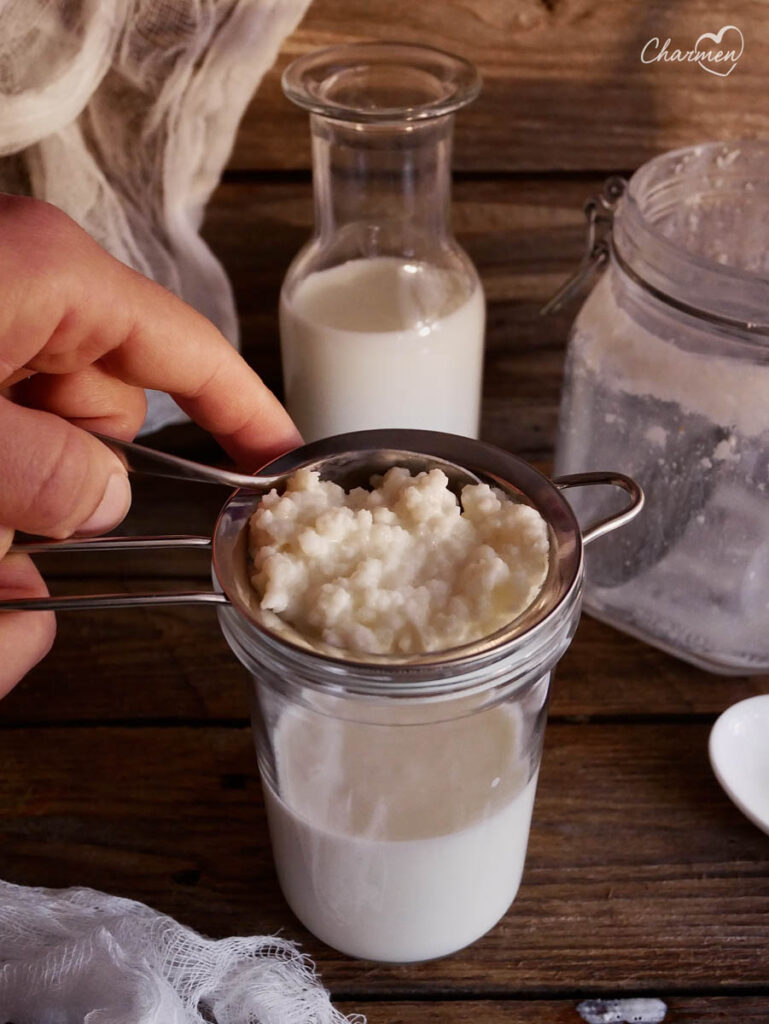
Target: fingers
91 398
56 479
179 351
25 637
65 303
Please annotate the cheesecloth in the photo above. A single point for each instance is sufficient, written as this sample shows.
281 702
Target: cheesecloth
123 113
77 956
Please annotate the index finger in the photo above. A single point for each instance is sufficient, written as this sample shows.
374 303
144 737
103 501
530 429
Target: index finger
181 352
65 303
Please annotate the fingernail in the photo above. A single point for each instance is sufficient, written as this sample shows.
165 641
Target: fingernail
113 507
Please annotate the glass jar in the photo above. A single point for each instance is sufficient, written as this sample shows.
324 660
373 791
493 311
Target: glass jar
399 821
668 375
382 313
399 790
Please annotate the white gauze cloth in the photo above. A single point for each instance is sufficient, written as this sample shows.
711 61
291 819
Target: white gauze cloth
123 114
77 956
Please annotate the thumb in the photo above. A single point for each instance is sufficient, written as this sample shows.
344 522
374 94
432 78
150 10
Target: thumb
56 479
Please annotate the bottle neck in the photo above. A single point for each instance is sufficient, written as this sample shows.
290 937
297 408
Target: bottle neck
382 189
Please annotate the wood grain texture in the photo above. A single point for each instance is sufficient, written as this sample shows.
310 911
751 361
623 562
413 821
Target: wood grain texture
735 1010
564 85
173 664
641 875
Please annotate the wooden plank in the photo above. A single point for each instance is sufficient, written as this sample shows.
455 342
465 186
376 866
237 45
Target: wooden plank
642 877
564 85
719 1010
173 664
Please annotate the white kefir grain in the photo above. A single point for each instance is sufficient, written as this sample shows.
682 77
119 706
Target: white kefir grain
399 569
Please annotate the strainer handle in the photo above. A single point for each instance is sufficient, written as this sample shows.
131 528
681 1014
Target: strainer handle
166 540
75 602
609 523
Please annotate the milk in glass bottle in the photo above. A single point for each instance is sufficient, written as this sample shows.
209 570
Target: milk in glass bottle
382 313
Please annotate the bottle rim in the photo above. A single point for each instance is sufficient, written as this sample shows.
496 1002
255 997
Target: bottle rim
381 83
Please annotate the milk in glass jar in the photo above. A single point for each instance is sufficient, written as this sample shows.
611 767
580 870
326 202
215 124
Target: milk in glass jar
668 376
382 313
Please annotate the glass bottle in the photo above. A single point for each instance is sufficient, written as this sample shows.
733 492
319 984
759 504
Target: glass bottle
382 313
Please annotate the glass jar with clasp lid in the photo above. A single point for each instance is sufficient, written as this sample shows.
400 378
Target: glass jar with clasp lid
382 313
667 374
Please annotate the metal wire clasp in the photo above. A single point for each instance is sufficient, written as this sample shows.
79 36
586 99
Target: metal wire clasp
599 213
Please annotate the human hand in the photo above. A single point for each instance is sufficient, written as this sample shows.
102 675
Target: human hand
96 333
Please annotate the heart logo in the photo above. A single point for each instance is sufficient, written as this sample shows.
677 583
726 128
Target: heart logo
729 55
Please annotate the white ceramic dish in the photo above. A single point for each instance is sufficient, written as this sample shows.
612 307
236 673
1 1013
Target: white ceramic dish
739 755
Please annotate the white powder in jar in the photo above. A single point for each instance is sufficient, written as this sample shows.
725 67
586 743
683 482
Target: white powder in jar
609 342
399 569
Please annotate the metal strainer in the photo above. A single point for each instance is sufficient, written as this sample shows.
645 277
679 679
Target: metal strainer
349 460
